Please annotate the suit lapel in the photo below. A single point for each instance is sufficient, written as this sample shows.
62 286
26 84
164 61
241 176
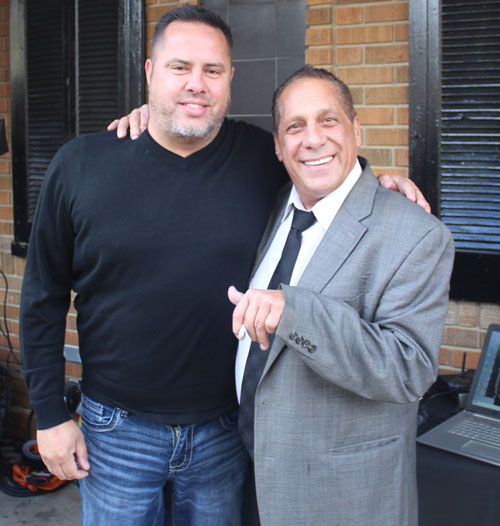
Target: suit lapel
339 241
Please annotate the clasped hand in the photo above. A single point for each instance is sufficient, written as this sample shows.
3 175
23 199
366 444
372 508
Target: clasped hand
259 311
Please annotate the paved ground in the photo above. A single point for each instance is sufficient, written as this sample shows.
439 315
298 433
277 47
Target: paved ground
60 508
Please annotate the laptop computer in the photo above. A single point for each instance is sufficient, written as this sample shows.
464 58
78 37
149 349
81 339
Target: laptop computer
475 431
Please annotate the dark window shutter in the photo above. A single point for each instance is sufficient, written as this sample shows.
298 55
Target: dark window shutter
75 66
97 97
46 104
455 132
470 124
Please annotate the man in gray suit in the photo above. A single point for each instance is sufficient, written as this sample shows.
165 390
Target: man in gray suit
357 330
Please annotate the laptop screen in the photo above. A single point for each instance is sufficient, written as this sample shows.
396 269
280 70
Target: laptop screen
485 394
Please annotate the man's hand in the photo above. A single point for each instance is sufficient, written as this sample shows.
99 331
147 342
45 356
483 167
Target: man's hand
63 451
259 311
404 186
137 120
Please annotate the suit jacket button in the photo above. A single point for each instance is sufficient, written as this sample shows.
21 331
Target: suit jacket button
306 343
311 348
299 339
292 335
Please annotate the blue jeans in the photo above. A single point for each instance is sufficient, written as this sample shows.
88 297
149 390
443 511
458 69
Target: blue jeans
132 459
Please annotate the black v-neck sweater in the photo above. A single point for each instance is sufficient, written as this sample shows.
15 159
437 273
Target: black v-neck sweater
150 242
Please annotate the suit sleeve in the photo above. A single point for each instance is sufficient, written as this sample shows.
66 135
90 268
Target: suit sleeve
394 355
45 299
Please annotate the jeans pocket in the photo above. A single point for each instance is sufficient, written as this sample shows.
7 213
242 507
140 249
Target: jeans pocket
99 417
229 421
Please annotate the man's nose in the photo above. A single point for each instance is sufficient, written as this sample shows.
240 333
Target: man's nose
314 137
195 82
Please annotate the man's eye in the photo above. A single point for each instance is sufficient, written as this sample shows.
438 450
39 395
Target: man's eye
179 68
213 72
330 120
294 127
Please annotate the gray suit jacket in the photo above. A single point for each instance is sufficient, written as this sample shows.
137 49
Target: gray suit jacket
357 345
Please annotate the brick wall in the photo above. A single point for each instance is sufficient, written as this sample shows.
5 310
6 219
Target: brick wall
366 44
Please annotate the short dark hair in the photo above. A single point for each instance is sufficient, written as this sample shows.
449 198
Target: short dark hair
308 72
190 13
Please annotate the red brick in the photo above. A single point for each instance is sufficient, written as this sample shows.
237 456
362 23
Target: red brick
401 157
387 13
318 37
452 314
386 54
401 74
489 314
357 95
7 266
444 356
5 167
387 137
375 115
461 337
349 56
401 33
6 229
14 298
364 34
6 212
319 56
349 15
402 116
468 314
390 171
377 156
319 16
19 266
12 312
386 95
153 14
366 75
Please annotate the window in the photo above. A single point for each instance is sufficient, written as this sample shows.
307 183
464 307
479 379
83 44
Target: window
75 66
455 132
269 45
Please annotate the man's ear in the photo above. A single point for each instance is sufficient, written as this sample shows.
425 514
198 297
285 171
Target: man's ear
277 147
148 68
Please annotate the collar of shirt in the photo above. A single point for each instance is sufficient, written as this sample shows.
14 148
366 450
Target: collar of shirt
326 209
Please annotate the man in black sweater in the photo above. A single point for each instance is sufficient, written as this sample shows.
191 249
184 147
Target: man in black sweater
149 234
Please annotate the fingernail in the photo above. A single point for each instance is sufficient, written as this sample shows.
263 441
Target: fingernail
134 137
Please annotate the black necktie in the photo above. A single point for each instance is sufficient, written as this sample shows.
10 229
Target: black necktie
256 357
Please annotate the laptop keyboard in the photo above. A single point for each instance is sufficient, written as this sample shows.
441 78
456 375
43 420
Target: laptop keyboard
477 430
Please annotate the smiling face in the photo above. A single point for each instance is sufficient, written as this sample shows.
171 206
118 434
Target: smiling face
316 141
189 78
